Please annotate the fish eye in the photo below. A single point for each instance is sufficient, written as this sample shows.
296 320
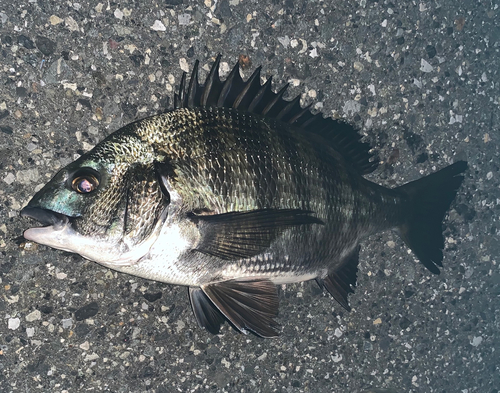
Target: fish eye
84 184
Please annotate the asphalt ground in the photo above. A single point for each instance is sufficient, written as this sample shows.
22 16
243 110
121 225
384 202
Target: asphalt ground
420 80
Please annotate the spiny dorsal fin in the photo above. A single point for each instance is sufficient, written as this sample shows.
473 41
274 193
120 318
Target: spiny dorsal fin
254 97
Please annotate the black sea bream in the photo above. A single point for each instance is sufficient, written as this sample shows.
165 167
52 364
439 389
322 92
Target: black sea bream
232 192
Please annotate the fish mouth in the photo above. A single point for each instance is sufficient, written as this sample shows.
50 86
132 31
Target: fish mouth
44 216
51 222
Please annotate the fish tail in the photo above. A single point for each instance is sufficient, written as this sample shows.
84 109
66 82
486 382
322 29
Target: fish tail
429 200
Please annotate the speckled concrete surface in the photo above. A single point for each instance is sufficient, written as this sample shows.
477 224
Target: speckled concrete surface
420 79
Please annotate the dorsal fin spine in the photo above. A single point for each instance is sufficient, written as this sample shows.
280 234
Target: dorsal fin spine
263 90
248 84
275 100
288 107
299 114
228 83
211 82
179 98
193 86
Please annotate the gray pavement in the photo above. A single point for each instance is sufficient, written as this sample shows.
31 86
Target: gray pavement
420 79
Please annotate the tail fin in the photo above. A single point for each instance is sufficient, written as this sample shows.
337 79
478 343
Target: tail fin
429 200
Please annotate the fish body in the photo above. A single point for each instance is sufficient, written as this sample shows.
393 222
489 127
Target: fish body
232 192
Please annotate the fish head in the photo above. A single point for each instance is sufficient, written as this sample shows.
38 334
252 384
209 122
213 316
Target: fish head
108 206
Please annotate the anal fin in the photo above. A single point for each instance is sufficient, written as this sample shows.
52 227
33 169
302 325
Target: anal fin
341 282
249 305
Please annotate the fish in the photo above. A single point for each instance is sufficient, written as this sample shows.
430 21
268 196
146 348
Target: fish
233 192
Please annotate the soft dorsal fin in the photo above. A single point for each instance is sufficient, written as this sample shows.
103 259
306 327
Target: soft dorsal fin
254 97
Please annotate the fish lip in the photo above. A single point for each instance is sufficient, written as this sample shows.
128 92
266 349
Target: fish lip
44 216
55 231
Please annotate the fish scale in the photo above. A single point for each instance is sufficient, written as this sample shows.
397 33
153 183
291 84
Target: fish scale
250 176
232 192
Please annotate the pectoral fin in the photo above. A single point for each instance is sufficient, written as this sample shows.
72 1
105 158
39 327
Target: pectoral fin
250 305
245 234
